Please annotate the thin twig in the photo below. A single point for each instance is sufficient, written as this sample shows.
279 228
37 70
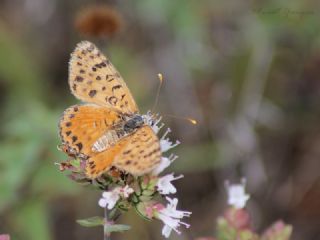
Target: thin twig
106 234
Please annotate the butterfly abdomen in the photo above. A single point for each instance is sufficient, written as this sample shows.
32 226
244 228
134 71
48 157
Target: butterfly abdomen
107 140
111 137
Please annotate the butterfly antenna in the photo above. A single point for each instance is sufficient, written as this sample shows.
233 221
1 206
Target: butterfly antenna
160 76
190 120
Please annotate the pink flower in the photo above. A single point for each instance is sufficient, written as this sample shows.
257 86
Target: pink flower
205 238
126 191
278 229
4 237
238 218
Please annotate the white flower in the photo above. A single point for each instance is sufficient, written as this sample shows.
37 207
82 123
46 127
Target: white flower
155 126
126 191
165 162
172 217
165 143
164 184
110 198
153 121
237 196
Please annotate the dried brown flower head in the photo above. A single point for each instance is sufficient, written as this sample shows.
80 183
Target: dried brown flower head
98 21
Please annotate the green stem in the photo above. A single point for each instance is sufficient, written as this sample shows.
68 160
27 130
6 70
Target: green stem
112 213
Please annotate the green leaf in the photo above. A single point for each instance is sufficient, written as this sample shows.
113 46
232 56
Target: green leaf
145 198
75 163
247 235
99 221
148 193
91 222
134 198
116 228
225 231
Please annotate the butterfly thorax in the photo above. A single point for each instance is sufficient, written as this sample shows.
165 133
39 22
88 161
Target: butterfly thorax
133 123
119 131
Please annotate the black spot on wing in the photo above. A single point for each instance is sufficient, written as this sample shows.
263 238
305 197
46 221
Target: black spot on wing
127 152
112 100
128 162
109 78
92 93
79 79
80 146
116 87
74 139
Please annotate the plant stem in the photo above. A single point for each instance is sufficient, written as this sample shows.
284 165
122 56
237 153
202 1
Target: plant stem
106 234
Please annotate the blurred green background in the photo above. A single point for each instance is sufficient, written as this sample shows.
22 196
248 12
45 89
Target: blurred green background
248 71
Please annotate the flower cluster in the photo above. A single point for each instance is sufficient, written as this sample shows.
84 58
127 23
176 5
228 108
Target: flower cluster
146 194
236 221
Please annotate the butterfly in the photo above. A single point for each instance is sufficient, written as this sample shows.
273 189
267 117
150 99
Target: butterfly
107 130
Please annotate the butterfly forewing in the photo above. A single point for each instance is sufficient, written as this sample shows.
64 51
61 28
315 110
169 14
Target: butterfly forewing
93 79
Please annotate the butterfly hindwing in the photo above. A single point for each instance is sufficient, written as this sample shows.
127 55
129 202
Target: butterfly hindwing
140 154
100 162
81 125
93 79
137 154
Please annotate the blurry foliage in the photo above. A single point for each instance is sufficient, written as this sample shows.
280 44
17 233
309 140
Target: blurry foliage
28 177
236 224
247 71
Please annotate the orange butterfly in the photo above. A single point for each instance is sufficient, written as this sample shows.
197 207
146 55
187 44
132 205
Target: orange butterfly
107 131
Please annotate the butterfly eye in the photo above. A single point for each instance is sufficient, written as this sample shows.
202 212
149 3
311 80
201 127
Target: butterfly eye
138 120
